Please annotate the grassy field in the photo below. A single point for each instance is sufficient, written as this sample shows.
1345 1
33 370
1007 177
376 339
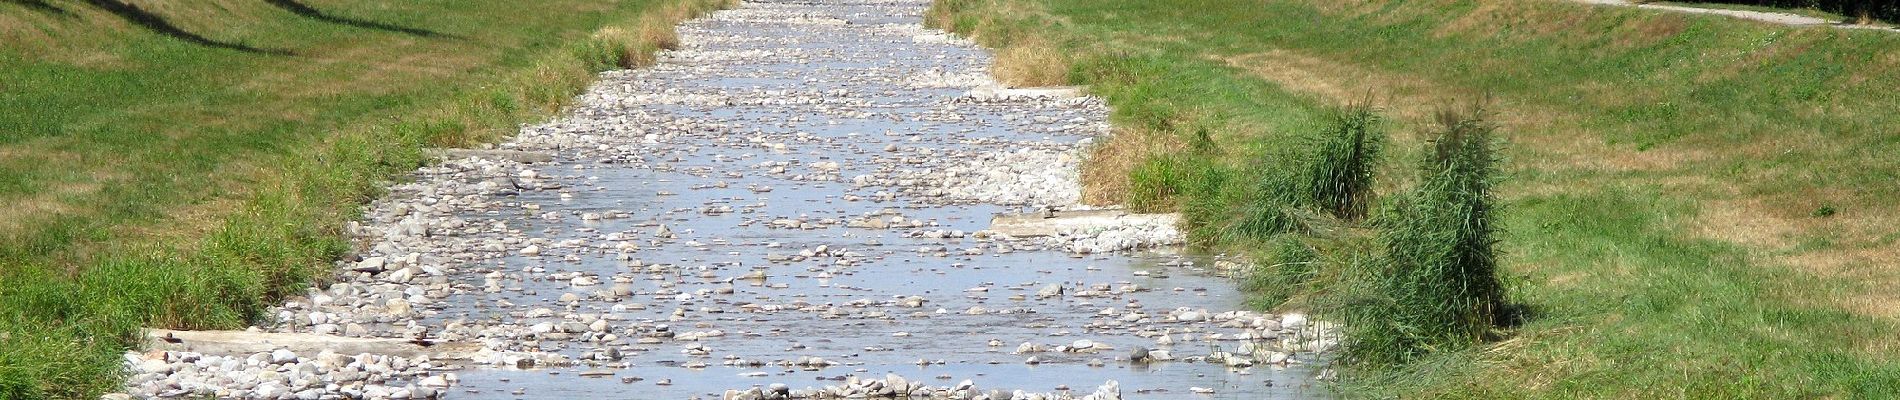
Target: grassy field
1693 206
184 164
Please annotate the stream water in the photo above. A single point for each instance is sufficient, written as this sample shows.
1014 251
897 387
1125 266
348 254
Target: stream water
803 179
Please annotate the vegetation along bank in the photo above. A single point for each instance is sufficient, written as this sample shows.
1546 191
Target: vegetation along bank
185 164
1654 204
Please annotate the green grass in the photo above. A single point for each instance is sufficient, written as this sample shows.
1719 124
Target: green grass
190 172
1662 174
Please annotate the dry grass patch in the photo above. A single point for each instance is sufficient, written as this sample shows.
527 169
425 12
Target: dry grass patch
625 45
1555 135
1512 19
1403 98
1555 138
370 70
658 31
1869 261
636 46
1023 57
1746 221
235 181
59 197
1878 305
73 38
35 209
1651 30
1031 63
22 28
1790 47
1105 179
1873 296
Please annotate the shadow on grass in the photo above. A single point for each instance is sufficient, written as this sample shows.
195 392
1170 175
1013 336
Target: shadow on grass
156 24
41 6
308 12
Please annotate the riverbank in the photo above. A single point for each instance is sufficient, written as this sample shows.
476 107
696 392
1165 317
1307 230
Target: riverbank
186 166
1690 198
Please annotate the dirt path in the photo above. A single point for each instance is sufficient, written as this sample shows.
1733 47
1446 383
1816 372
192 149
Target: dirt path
1770 17
793 205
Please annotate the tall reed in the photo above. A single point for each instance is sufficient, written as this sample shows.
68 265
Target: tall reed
1343 157
1436 286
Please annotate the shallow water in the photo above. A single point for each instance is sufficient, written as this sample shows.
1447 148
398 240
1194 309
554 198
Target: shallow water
784 92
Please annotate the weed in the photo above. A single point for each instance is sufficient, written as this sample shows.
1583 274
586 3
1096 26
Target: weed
1203 142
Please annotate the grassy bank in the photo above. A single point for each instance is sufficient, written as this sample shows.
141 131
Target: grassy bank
185 164
1693 205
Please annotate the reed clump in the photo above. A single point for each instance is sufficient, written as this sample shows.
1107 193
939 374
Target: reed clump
1436 285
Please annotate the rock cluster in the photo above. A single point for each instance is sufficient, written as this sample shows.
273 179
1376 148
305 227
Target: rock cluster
282 374
894 386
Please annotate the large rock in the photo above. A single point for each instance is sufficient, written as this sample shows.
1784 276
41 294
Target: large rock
370 265
1053 290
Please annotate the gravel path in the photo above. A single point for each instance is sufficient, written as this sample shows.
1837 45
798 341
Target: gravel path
791 206
1770 17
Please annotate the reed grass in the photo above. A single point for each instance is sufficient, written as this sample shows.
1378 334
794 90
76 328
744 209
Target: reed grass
1343 159
1282 270
1436 288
